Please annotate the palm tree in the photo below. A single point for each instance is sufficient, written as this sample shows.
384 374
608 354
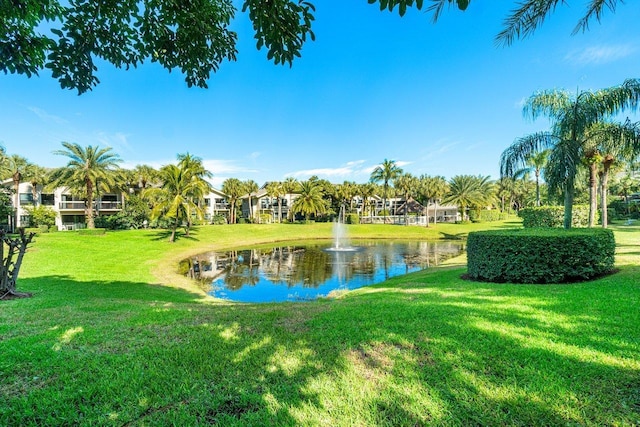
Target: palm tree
310 201
290 186
528 15
36 175
233 190
407 185
433 188
176 199
385 173
274 189
251 187
87 166
196 171
571 117
613 142
366 191
536 162
145 176
467 191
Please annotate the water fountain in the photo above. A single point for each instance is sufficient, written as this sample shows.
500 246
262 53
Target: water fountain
340 238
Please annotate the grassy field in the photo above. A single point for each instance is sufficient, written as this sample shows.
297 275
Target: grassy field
112 336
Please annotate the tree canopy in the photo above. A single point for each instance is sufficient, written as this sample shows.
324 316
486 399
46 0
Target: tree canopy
71 37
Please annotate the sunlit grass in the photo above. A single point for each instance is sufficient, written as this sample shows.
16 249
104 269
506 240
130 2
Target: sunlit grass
102 343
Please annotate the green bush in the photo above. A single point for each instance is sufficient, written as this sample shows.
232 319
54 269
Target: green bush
219 219
553 216
540 255
353 218
41 216
484 215
266 218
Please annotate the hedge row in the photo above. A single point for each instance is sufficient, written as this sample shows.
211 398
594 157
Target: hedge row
540 255
553 216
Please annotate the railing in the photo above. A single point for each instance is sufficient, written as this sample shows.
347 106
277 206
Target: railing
71 205
411 219
79 205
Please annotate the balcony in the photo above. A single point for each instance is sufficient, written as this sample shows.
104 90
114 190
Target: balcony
78 205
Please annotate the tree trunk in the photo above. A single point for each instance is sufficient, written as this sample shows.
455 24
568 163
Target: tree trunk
88 209
604 182
568 204
172 238
537 187
9 269
593 193
435 211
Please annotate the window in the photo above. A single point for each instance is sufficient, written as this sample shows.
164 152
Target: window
47 199
26 198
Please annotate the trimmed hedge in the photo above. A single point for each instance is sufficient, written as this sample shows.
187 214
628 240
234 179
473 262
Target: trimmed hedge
553 216
540 255
353 218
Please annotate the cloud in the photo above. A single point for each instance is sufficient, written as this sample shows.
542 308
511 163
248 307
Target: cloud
600 54
118 141
46 117
349 171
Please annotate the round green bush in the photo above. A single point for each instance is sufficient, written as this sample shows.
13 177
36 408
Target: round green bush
540 255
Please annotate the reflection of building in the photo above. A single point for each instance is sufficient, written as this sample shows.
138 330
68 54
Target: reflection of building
69 209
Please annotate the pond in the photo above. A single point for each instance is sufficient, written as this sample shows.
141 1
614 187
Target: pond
306 271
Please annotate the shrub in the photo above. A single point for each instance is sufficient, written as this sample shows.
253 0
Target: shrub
41 216
352 218
553 216
484 215
266 218
219 219
540 255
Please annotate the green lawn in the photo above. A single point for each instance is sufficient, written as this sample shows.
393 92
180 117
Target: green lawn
103 343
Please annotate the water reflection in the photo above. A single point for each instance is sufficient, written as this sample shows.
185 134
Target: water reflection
307 271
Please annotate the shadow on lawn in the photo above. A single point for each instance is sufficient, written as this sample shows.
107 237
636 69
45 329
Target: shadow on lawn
164 234
122 353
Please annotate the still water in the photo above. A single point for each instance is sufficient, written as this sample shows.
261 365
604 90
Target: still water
301 272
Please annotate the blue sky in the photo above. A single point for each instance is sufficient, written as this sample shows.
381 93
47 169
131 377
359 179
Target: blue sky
439 99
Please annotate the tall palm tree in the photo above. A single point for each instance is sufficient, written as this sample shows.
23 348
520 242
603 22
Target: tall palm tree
275 190
251 187
433 188
290 186
366 191
196 171
407 186
613 142
536 163
310 201
385 173
233 190
86 166
176 199
36 175
571 118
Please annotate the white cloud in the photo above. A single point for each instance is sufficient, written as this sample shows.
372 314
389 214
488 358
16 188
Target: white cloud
353 170
118 141
46 117
600 54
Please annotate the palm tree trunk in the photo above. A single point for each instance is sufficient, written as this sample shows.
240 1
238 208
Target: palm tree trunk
435 212
593 193
568 204
172 238
606 165
89 205
537 187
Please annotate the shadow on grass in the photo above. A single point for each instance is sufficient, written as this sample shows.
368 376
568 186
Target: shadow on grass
124 353
162 234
